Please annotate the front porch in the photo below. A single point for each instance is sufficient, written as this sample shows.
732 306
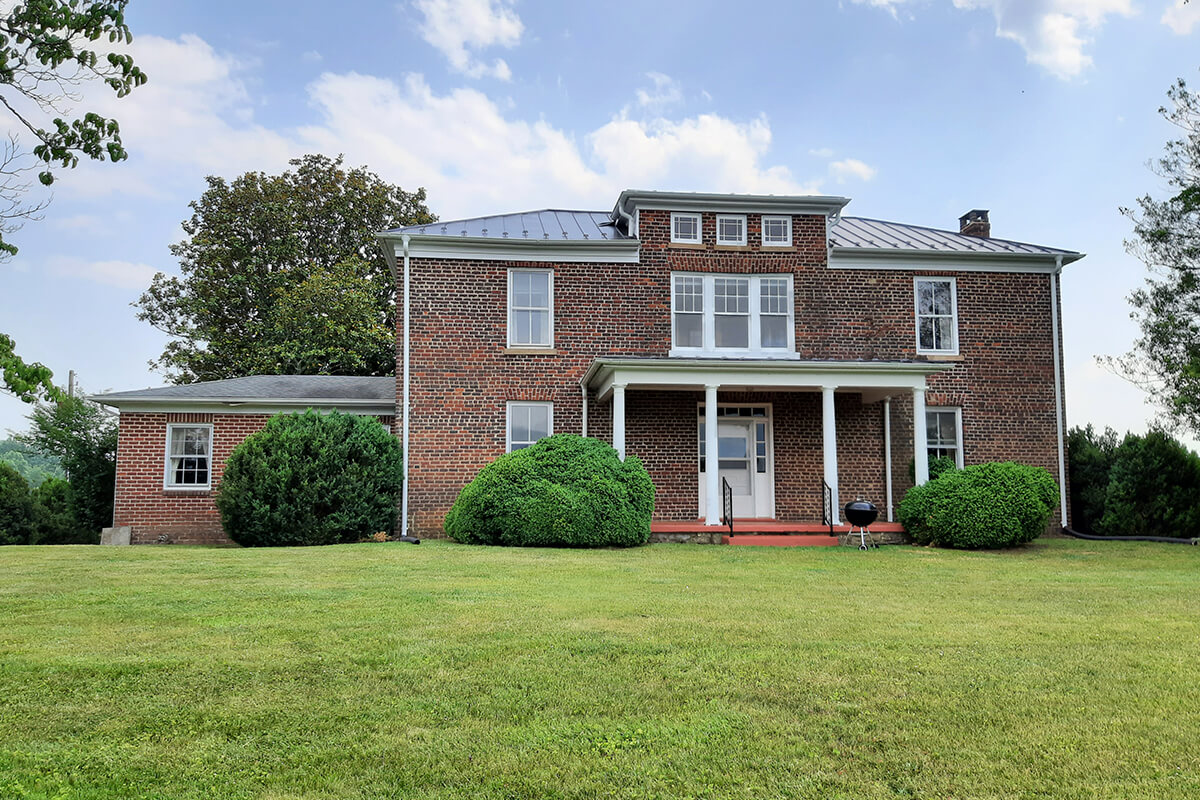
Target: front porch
771 533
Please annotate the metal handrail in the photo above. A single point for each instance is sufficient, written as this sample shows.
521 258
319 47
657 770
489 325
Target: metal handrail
827 505
727 504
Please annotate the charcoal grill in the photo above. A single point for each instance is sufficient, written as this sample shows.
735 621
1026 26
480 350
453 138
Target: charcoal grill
860 514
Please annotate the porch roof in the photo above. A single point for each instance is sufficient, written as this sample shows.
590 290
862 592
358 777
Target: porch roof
874 379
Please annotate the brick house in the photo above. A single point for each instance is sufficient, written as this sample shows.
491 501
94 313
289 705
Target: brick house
805 348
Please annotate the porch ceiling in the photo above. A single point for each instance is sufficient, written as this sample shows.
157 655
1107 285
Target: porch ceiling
875 379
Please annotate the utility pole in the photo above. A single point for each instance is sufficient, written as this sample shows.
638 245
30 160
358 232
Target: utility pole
71 383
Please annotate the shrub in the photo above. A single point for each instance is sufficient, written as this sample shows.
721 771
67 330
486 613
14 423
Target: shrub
1153 489
563 491
1090 458
16 507
981 507
308 479
56 517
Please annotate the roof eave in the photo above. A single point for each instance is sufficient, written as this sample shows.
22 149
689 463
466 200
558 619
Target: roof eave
881 254
824 205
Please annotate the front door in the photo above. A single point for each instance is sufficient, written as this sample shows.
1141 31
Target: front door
744 459
735 443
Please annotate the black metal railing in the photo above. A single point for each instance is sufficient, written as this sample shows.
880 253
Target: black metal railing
827 506
727 505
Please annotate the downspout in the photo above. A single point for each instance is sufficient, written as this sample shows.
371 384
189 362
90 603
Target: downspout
583 386
621 212
407 390
1058 390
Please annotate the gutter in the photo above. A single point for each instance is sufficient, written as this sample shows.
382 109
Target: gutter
1058 391
404 240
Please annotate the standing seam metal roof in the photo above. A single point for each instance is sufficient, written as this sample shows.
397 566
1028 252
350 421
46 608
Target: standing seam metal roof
270 387
549 224
878 234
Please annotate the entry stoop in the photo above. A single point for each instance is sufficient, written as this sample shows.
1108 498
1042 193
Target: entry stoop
772 533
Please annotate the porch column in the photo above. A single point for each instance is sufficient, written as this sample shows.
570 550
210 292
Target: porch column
920 442
712 470
829 443
618 420
887 453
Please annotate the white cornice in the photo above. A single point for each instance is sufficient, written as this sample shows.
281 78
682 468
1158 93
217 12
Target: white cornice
823 205
891 258
256 405
608 251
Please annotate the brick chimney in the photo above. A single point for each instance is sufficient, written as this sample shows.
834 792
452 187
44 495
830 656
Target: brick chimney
975 223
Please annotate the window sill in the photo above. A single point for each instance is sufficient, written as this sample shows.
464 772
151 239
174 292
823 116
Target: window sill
773 355
530 351
689 245
941 356
731 247
180 490
779 248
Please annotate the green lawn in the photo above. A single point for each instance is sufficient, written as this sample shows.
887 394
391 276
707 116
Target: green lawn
1065 670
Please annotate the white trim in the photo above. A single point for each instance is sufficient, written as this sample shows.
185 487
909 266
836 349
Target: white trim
959 455
186 487
917 280
829 462
887 453
763 230
508 408
549 272
755 349
604 251
824 205
926 260
366 408
768 480
741 218
699 227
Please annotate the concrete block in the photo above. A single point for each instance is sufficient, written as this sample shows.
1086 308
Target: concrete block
115 535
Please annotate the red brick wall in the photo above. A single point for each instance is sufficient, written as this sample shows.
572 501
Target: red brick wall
183 516
463 374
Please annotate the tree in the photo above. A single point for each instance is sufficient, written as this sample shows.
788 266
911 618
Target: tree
1166 358
16 507
1090 457
260 252
34 467
46 48
84 439
28 382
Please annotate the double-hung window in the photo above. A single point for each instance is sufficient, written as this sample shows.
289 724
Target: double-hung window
732 315
777 231
530 308
731 229
685 228
937 315
189 457
943 433
528 422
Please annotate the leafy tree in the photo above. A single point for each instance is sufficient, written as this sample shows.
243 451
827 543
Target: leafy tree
16 507
84 438
46 48
55 516
1166 358
1090 457
261 252
33 466
1153 489
28 382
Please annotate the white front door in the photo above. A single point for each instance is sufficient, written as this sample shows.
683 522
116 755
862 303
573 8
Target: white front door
743 460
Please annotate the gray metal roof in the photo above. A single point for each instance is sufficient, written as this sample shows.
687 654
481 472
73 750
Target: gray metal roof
548 224
266 387
874 234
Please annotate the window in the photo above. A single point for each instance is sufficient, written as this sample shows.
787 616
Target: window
685 228
943 433
189 450
937 323
530 308
528 422
777 231
731 229
732 315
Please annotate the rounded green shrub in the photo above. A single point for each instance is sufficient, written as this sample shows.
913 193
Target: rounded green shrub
310 478
982 507
563 491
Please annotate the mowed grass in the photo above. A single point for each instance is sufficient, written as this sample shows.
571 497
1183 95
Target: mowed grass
1066 669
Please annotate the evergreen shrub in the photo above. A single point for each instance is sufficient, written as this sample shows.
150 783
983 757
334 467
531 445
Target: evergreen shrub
309 479
563 491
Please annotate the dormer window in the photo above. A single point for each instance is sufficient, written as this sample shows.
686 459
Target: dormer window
731 229
777 231
685 228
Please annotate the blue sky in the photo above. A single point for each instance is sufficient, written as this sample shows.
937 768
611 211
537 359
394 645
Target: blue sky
1042 111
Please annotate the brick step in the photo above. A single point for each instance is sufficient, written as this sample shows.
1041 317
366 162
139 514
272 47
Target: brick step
786 540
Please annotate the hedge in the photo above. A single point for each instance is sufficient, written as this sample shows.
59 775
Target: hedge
562 491
309 479
986 506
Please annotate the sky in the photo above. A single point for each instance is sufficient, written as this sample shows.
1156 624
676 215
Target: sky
1042 111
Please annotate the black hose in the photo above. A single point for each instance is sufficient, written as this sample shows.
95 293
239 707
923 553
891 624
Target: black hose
1092 537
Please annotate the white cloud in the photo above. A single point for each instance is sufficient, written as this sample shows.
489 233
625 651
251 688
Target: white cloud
851 168
122 274
459 27
1053 33
821 152
312 56
1182 17
666 92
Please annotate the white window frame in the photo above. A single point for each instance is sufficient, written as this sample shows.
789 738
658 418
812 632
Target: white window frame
508 414
731 242
186 487
550 309
958 430
763 232
755 349
699 228
917 281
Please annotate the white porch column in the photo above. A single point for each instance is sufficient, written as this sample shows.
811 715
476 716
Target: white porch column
712 471
887 453
829 443
920 442
618 420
